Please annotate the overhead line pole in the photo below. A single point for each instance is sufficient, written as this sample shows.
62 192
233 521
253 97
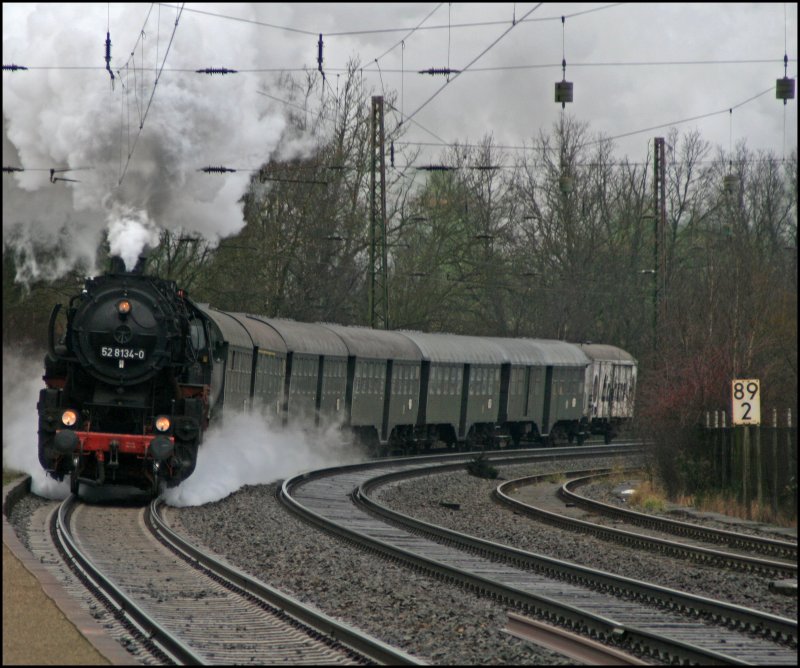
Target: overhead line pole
659 233
378 283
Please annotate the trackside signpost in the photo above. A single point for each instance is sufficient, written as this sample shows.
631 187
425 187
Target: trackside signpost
746 401
745 411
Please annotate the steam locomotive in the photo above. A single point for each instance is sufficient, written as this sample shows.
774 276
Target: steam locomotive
127 388
142 371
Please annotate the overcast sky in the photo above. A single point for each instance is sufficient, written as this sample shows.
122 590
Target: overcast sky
633 67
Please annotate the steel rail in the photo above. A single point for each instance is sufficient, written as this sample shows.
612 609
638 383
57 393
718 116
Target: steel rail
583 650
734 616
626 636
127 610
575 619
769 546
361 643
670 548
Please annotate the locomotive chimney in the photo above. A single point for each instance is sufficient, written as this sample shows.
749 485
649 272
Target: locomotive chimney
141 262
117 265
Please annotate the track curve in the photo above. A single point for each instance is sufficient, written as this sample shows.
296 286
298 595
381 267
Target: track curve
627 613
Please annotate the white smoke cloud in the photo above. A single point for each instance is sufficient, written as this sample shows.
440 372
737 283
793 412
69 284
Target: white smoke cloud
129 233
22 380
247 450
63 114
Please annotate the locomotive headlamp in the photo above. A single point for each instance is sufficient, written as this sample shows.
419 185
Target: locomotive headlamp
124 307
69 418
162 423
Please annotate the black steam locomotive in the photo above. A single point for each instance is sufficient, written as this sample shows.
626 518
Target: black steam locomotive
127 386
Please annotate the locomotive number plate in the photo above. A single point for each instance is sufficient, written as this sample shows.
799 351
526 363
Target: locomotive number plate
122 353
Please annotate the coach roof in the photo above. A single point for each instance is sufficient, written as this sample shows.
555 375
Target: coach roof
377 343
308 338
454 348
603 351
232 330
264 336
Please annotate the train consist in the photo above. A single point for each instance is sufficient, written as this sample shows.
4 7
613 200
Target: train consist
141 371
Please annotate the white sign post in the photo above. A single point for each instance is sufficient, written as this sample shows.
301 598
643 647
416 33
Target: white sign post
746 401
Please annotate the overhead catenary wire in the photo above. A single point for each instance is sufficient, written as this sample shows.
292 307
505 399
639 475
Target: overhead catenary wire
472 70
472 62
405 37
374 31
150 101
477 69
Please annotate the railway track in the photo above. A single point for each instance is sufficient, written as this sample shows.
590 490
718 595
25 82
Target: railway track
187 607
642 619
698 543
778 549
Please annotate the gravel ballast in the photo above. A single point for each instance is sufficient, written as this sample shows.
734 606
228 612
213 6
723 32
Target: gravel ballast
437 623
